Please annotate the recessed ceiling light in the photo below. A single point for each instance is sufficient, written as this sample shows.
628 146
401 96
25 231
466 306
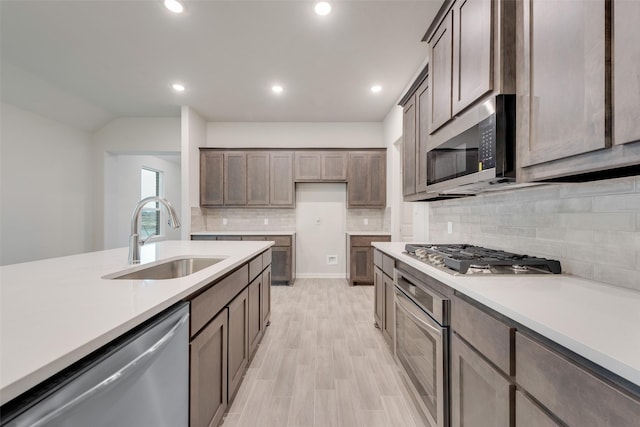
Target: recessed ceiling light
322 8
376 88
178 87
174 6
277 89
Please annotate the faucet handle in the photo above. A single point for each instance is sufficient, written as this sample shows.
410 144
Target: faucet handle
143 241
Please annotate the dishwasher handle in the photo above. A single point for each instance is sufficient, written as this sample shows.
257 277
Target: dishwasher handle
126 371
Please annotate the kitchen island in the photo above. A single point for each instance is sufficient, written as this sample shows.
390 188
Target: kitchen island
54 312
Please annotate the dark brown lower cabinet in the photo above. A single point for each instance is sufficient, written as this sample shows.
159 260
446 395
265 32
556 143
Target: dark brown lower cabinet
256 325
281 263
480 395
238 340
388 327
208 373
265 296
570 392
361 265
378 296
529 414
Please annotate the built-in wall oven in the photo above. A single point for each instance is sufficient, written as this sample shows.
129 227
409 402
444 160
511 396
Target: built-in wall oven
421 344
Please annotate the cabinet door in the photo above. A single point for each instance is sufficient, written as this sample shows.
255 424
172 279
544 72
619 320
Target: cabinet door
308 166
480 396
529 414
378 297
280 264
361 264
389 318
377 180
334 166
265 297
357 187
282 179
573 394
472 71
422 137
238 340
440 52
561 79
626 71
235 179
211 178
409 148
255 318
208 373
258 178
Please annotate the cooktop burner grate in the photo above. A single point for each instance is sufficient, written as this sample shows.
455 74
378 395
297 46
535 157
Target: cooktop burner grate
465 259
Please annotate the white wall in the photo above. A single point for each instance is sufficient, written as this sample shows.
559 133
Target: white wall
122 193
46 188
294 135
392 134
320 229
131 135
194 135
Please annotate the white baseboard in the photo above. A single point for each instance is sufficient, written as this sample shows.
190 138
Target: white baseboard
321 275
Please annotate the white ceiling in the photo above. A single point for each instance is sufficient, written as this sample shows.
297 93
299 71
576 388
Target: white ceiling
120 57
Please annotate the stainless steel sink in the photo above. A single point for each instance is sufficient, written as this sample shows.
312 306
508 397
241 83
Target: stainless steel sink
170 269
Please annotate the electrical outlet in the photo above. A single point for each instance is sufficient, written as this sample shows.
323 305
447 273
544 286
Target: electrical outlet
224 221
366 221
449 227
332 259
266 221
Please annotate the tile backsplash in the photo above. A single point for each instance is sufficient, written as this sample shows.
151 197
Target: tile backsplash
377 219
245 219
592 228
242 219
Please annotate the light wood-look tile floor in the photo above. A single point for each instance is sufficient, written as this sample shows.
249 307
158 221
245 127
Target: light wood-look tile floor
322 363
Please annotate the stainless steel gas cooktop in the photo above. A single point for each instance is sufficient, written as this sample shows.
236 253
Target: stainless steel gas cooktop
470 259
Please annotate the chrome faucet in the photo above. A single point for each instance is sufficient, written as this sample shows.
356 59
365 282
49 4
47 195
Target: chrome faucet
134 239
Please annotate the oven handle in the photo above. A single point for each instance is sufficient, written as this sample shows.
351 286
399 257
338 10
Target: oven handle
426 321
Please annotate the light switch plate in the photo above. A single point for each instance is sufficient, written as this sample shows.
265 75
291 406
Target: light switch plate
266 221
224 221
366 221
449 227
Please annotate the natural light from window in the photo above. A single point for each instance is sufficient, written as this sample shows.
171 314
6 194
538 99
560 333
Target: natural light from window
150 182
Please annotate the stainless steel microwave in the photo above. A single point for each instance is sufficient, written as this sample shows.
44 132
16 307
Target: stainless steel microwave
476 152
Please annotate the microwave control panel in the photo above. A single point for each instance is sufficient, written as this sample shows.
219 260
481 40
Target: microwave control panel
487 148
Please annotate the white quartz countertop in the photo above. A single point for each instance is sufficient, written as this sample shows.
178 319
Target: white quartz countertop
597 321
54 312
244 233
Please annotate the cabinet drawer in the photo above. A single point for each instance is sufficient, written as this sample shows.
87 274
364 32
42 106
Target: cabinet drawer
253 238
255 267
367 240
280 240
203 237
206 305
487 334
266 258
574 395
377 258
227 237
388 265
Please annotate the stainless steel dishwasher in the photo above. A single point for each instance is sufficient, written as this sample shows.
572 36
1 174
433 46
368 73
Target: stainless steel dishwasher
141 379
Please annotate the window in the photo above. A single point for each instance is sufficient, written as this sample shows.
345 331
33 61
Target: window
150 185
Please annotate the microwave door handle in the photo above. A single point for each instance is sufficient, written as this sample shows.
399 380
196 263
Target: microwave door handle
420 320
139 362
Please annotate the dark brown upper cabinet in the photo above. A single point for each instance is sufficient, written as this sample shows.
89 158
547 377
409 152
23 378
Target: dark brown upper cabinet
367 185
